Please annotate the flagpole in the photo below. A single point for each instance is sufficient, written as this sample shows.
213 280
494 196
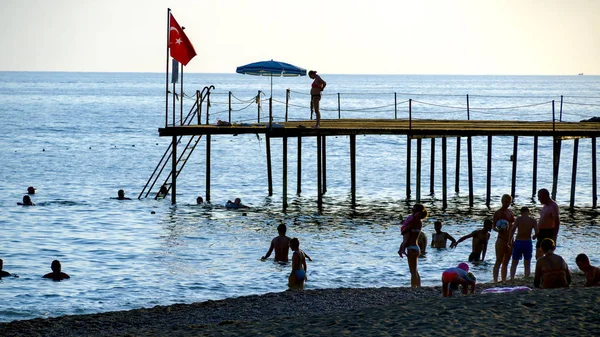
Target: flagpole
181 95
167 70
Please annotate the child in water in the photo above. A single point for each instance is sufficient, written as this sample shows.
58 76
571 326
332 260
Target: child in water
439 238
480 241
298 275
452 278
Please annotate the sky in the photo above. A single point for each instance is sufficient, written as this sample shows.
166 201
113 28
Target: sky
470 37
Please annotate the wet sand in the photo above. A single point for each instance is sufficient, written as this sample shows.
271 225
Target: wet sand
357 312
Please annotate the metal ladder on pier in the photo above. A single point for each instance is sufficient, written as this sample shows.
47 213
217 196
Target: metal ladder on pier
183 156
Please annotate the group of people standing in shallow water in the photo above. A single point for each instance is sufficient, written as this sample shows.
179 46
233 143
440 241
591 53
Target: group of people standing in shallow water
551 270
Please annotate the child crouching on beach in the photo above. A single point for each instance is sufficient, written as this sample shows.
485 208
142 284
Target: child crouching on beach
459 276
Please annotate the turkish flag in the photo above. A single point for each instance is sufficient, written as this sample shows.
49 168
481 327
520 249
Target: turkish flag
181 48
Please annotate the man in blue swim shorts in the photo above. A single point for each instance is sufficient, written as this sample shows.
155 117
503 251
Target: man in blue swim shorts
523 245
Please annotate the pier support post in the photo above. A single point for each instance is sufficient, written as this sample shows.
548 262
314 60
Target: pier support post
284 169
269 170
299 170
324 149
534 169
574 171
557 142
488 183
457 178
419 157
408 153
444 174
353 169
208 168
319 176
174 170
514 168
594 181
470 168
432 169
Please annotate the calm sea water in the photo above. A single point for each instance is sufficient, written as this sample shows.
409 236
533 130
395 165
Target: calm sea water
79 137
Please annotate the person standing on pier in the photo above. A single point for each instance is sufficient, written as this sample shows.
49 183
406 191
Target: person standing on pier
503 242
316 88
549 221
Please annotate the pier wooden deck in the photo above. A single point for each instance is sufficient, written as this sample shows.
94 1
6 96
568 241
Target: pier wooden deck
413 129
416 128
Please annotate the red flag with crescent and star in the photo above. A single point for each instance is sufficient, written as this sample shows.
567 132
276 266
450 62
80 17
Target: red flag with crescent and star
181 48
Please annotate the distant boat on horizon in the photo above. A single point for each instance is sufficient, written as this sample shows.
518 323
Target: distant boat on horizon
580 74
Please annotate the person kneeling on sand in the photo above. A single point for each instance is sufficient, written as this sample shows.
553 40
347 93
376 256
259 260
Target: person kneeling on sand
480 241
298 275
459 276
592 274
551 270
56 273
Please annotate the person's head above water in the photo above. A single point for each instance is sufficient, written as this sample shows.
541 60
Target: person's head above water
237 201
199 200
121 193
56 267
437 225
27 200
31 190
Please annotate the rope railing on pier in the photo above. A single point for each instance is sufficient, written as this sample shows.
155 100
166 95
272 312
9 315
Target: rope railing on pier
400 105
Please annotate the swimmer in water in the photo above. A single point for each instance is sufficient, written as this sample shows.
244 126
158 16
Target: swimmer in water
30 190
26 201
298 275
162 193
121 195
281 245
5 273
480 241
56 274
237 203
439 238
551 270
199 201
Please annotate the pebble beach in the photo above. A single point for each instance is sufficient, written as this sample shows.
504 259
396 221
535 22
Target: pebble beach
345 311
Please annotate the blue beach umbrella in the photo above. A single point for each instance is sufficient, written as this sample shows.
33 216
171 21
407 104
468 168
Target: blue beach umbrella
272 69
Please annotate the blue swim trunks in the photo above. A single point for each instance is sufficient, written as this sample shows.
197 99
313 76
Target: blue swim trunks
522 248
300 274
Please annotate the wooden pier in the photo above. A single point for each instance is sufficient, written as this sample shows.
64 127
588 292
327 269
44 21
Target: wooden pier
414 130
